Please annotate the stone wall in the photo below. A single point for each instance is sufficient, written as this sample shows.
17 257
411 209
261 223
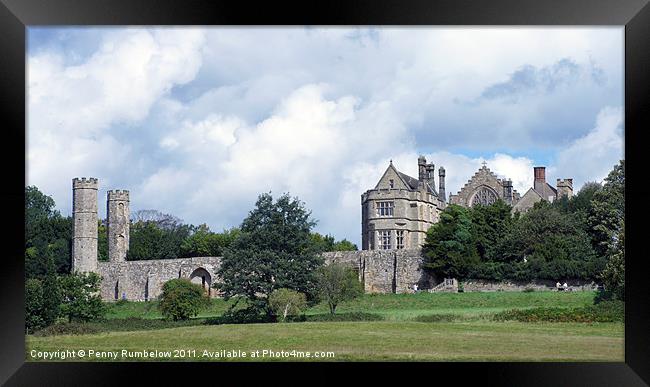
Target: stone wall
143 280
380 271
385 271
518 286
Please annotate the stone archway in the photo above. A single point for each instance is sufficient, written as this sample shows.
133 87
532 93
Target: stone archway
202 277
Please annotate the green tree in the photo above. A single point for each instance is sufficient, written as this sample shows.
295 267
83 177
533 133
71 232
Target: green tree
450 245
48 235
553 244
181 299
34 302
489 224
286 302
149 240
613 275
205 243
274 250
607 213
80 297
345 245
328 243
336 283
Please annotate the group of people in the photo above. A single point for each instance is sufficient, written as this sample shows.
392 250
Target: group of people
561 287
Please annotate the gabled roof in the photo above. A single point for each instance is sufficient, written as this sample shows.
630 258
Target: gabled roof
547 190
408 180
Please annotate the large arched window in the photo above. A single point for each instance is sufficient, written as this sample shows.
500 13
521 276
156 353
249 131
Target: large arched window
484 196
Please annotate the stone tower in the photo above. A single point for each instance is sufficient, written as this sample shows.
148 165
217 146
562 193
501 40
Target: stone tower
117 205
84 214
564 188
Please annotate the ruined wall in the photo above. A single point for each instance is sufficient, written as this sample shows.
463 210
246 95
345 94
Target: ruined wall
143 280
380 271
385 271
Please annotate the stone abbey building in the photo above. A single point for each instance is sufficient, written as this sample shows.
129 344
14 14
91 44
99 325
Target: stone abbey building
396 215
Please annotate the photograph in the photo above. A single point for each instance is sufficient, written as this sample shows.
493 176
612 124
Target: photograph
324 193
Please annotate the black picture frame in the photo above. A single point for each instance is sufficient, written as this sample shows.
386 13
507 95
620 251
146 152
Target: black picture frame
17 15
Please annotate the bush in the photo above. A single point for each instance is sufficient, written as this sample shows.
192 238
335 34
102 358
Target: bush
350 316
606 311
69 328
287 302
81 299
529 290
437 318
249 315
181 299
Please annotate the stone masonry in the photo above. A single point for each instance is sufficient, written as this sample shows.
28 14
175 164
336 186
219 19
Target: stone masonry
84 215
117 212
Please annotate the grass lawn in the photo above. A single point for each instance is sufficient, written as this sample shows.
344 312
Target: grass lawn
474 337
399 306
383 340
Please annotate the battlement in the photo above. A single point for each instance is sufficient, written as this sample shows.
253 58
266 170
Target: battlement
118 195
88 183
564 183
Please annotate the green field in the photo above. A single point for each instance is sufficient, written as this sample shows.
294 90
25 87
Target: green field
472 335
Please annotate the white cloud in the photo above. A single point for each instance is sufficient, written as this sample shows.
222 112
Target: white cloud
198 122
592 157
76 111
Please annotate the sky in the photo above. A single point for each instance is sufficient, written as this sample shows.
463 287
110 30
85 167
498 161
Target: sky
197 122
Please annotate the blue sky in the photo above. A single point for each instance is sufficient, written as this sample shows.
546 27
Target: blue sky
197 122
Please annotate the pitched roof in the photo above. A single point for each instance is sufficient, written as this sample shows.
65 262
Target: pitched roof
410 181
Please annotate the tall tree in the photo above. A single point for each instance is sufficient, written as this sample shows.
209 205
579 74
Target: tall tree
274 250
450 246
607 214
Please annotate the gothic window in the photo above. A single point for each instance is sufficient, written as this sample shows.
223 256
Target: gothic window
384 240
385 208
484 197
399 239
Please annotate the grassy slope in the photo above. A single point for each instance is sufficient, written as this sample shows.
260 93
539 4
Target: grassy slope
386 340
403 306
397 338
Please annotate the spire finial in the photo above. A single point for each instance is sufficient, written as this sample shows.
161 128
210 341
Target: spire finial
484 163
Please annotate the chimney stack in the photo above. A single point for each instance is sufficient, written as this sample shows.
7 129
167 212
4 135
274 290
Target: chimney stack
540 179
441 189
422 169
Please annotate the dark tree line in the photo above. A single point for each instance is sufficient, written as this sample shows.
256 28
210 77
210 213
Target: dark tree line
577 238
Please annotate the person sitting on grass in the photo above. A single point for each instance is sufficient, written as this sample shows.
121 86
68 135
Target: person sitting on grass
558 286
565 286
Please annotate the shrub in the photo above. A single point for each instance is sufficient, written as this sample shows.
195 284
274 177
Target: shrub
437 318
181 299
350 316
606 311
81 299
69 328
249 315
286 302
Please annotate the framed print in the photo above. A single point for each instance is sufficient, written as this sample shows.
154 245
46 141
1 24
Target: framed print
420 188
